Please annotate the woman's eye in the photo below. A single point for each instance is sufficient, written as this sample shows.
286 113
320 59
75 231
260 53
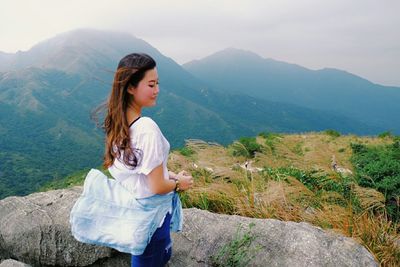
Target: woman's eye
152 85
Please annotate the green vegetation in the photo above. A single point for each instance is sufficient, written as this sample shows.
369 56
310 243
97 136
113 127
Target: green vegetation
386 134
217 202
312 179
271 139
186 151
378 167
319 183
287 189
76 178
298 149
285 186
36 148
246 146
332 133
238 252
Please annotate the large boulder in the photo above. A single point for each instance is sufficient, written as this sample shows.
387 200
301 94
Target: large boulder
274 243
35 230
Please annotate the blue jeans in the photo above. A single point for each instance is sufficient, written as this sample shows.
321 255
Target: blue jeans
158 251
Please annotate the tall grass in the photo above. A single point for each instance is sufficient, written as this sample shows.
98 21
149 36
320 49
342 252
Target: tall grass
379 236
329 201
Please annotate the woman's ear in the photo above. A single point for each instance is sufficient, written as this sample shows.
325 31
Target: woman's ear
130 89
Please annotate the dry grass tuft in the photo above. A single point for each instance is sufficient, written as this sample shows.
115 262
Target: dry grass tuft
370 199
380 237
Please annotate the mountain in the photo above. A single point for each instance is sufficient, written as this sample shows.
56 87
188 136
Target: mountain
47 93
239 71
81 51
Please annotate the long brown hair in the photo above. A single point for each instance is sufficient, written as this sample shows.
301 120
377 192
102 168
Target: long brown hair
130 71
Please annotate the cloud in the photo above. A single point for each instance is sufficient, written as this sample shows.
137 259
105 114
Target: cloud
358 36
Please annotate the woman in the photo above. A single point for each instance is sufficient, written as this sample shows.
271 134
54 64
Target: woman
136 151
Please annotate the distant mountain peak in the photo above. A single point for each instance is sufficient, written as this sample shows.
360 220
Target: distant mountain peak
83 35
238 51
228 55
81 50
234 53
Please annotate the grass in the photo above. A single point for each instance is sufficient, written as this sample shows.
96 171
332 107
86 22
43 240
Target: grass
295 186
270 139
295 183
379 236
298 149
238 252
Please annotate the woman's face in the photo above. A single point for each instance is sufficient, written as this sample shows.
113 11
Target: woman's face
146 92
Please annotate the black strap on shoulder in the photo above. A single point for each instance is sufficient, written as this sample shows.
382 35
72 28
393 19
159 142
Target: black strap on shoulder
134 121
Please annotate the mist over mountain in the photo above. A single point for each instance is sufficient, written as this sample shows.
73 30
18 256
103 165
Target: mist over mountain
239 71
47 93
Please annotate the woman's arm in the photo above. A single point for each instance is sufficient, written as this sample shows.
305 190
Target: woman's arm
159 185
172 175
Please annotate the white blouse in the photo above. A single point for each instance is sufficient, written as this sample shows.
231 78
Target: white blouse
153 150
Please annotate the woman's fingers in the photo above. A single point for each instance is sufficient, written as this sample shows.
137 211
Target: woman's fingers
185 173
186 179
189 180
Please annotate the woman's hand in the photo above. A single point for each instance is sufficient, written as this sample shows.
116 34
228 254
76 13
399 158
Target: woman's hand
185 180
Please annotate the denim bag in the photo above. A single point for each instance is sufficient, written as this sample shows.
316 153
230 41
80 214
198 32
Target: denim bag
107 214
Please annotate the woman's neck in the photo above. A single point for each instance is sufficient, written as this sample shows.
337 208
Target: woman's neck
132 113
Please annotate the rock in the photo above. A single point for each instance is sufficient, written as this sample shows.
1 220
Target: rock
282 243
209 169
13 263
35 229
343 171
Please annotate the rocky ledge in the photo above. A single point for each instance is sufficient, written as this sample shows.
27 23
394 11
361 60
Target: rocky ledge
35 231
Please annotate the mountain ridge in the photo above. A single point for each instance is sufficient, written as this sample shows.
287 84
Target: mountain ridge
327 89
44 100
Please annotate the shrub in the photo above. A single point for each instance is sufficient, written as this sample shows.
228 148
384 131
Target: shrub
186 151
385 134
358 148
379 167
269 135
246 146
332 133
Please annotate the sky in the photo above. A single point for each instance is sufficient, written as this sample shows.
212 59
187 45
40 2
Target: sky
358 36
